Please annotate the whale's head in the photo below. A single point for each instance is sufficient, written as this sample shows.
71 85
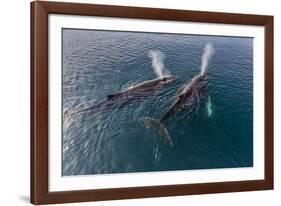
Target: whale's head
200 81
167 79
204 76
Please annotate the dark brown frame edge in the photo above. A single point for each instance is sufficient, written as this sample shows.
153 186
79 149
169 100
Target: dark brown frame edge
39 102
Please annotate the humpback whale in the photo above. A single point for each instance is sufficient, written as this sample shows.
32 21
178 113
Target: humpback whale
137 92
129 95
187 96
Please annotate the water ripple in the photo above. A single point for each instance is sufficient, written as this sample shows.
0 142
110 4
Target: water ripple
99 63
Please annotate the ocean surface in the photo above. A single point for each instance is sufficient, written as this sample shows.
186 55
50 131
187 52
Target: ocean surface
219 134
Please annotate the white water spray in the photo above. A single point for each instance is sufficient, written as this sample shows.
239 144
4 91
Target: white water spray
157 58
208 53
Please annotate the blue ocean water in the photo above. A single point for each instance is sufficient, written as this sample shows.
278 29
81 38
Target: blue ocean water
99 63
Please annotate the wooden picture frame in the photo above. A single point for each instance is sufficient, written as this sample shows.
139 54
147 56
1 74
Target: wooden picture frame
40 193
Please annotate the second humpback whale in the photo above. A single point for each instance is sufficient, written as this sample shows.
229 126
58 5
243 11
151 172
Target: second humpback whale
187 96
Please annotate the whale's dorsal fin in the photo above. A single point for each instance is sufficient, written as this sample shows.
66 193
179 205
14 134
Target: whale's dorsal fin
112 95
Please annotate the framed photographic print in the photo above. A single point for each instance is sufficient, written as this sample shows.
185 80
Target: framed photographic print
133 102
